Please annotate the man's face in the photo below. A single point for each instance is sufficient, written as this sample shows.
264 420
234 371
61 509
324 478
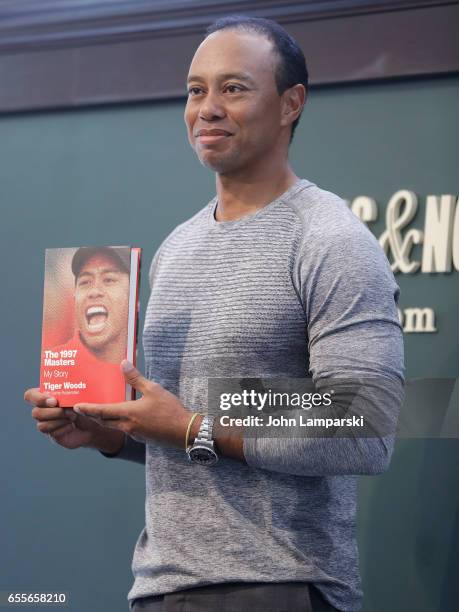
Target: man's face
233 111
101 301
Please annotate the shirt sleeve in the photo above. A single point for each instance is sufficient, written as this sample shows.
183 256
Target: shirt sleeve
132 450
349 297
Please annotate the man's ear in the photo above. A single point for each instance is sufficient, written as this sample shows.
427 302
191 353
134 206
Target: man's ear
293 100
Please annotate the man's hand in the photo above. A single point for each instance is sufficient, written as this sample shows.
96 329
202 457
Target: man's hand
68 429
157 415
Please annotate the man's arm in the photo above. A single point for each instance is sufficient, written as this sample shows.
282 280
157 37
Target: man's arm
349 296
124 447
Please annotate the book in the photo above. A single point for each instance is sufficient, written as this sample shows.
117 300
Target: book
90 323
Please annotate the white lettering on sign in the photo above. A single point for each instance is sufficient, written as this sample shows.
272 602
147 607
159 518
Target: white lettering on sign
438 234
365 208
440 237
419 320
456 238
400 211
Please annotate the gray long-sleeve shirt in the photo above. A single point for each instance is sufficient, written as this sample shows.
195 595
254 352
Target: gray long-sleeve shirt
300 287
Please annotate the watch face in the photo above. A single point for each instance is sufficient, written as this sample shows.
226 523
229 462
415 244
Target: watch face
203 455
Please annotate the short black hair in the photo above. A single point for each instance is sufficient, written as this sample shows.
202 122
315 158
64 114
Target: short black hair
291 69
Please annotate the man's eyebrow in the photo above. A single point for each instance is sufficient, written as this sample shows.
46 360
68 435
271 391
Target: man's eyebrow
237 76
103 271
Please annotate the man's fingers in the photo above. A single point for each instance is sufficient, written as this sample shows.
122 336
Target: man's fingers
62 430
114 424
103 411
134 378
48 414
51 426
33 395
36 398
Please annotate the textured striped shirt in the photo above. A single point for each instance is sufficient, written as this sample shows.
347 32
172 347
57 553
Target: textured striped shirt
299 288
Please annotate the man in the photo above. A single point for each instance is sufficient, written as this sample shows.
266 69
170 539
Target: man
274 277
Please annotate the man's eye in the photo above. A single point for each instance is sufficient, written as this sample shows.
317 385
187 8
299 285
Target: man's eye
234 88
194 91
109 280
83 283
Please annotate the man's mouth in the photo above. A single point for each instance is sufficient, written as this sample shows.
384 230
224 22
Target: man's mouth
212 136
96 318
213 132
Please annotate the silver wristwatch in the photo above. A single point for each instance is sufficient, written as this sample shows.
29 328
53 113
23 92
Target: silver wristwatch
202 451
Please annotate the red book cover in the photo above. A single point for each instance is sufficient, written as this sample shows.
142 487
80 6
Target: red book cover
90 319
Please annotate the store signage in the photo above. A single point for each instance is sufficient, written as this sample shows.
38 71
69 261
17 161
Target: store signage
439 240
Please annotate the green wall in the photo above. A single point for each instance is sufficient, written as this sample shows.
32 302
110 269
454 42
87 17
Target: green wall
126 175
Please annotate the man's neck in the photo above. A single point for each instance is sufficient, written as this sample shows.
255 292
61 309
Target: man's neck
239 196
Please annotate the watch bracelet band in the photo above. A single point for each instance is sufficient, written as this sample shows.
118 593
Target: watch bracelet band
203 443
205 430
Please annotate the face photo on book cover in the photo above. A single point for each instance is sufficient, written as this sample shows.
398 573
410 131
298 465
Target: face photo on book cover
101 306
87 300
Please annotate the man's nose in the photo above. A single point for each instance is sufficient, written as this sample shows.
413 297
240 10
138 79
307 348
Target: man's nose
96 289
212 107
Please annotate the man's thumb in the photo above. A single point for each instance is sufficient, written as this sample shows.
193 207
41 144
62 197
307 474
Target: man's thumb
133 376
